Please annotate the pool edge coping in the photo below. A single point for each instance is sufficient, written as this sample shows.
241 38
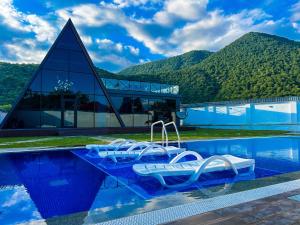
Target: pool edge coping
204 205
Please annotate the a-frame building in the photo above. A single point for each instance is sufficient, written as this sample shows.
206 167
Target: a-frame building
65 91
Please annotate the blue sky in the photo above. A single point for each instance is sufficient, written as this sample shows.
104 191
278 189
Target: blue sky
120 33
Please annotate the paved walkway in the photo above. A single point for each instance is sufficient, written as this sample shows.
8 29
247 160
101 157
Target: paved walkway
280 209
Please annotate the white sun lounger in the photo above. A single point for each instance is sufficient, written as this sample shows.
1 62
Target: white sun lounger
193 168
115 145
149 149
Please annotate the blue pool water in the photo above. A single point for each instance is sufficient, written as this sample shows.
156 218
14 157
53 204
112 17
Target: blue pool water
54 184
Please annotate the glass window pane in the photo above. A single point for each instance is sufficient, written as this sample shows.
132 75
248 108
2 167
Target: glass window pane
112 84
79 63
141 113
102 112
175 89
31 100
145 86
98 89
172 108
27 114
36 84
24 118
68 40
82 83
55 81
85 111
124 106
135 85
124 85
160 110
50 110
165 89
113 120
58 59
155 88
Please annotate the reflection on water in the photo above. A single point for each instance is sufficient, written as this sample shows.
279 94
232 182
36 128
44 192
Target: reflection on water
276 154
59 187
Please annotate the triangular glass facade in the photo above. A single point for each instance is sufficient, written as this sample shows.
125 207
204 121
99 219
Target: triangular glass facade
65 92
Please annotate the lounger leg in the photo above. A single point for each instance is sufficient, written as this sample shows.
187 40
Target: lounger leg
164 184
251 169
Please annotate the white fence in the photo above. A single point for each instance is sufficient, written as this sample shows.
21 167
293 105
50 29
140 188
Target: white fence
263 114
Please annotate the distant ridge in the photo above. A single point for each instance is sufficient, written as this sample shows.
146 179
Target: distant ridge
169 64
257 65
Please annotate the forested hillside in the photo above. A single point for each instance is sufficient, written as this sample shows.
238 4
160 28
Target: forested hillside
256 65
13 78
170 64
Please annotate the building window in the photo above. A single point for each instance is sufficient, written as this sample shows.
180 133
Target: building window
141 112
50 110
125 107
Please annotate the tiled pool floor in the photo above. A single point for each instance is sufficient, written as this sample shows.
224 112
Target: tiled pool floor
275 210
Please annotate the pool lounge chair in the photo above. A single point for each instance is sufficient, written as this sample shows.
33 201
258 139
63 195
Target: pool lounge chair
148 149
193 168
112 146
124 144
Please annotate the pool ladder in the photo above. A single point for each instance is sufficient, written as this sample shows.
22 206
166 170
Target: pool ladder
164 132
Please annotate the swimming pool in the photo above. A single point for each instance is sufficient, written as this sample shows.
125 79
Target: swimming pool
60 186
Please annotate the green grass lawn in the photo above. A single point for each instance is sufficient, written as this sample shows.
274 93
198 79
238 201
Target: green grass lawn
21 142
201 134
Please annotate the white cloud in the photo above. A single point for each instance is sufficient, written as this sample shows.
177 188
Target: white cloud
108 44
120 61
91 15
10 16
98 15
134 3
133 50
23 51
141 61
218 30
199 29
295 17
188 10
104 41
18 196
86 39
17 20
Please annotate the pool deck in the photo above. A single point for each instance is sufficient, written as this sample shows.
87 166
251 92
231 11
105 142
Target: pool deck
274 210
221 203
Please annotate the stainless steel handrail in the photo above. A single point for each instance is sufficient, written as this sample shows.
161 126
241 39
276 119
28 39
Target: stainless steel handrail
176 130
163 132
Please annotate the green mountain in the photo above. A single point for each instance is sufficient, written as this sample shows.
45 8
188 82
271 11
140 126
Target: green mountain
169 64
256 65
13 78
